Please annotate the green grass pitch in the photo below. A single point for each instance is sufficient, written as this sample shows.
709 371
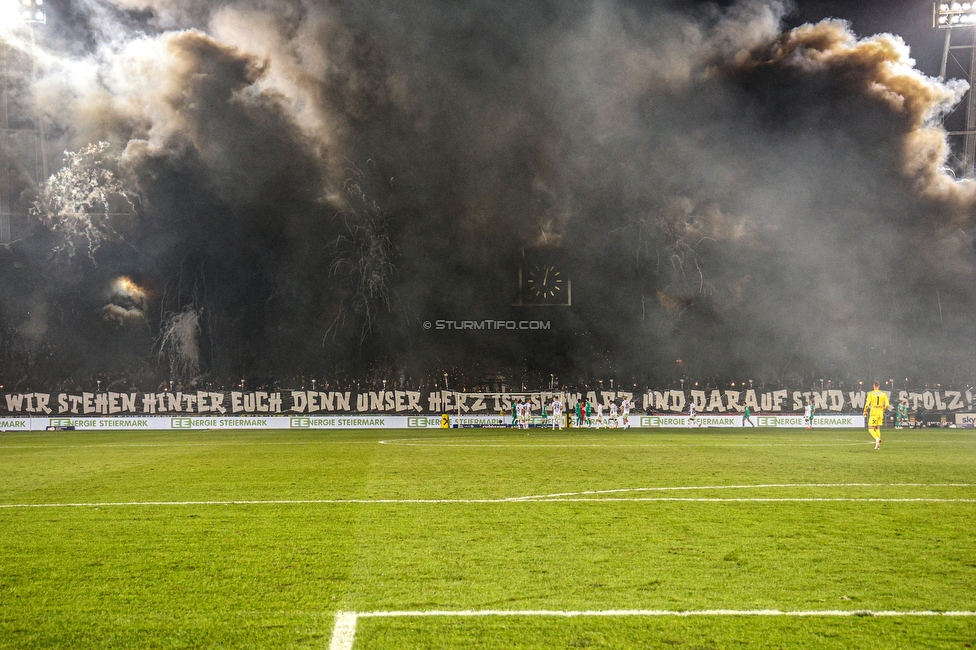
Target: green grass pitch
241 539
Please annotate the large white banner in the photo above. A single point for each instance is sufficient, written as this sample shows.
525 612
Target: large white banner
208 404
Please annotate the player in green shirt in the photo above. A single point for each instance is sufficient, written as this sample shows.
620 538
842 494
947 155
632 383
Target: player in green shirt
901 414
747 417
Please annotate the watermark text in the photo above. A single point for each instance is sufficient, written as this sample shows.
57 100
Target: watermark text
490 325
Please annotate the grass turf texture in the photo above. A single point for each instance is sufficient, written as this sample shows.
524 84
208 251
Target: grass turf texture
262 575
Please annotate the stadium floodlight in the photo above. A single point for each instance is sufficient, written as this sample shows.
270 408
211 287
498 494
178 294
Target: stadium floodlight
32 11
947 15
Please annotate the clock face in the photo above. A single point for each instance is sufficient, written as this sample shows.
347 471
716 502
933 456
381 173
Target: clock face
545 282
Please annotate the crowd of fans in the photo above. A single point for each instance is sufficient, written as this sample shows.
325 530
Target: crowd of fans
433 381
42 369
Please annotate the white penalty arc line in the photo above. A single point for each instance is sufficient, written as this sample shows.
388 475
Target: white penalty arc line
739 487
344 632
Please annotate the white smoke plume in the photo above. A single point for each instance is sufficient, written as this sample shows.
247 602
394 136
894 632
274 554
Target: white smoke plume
881 68
127 303
179 344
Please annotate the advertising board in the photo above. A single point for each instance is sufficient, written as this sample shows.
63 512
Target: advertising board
332 422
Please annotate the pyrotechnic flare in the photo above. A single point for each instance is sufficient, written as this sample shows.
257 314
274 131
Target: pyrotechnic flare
367 252
76 201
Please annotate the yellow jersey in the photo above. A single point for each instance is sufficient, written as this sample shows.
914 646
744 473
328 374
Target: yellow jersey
877 401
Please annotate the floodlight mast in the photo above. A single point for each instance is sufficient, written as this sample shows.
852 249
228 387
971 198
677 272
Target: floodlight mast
22 137
953 17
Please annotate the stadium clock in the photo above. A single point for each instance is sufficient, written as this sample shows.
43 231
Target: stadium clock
544 284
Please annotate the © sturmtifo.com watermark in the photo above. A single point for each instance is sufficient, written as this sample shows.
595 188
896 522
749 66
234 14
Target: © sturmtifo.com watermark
490 325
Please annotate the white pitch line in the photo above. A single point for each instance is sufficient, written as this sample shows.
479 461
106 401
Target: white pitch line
153 445
344 632
538 443
658 612
602 446
10 506
757 500
545 440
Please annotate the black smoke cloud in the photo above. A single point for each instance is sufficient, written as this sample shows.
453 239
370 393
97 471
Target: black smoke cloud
318 179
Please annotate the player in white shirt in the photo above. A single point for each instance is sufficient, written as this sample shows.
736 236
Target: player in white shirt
599 415
613 414
557 413
625 407
808 415
691 415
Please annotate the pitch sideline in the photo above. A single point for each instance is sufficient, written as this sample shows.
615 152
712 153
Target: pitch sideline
344 632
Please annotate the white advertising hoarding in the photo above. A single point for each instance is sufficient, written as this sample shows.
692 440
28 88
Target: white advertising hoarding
163 423
966 420
278 422
763 421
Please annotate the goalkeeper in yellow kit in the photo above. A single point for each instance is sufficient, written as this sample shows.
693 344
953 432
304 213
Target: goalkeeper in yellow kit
875 406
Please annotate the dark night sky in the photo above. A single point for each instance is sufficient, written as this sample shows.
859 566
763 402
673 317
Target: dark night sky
912 20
